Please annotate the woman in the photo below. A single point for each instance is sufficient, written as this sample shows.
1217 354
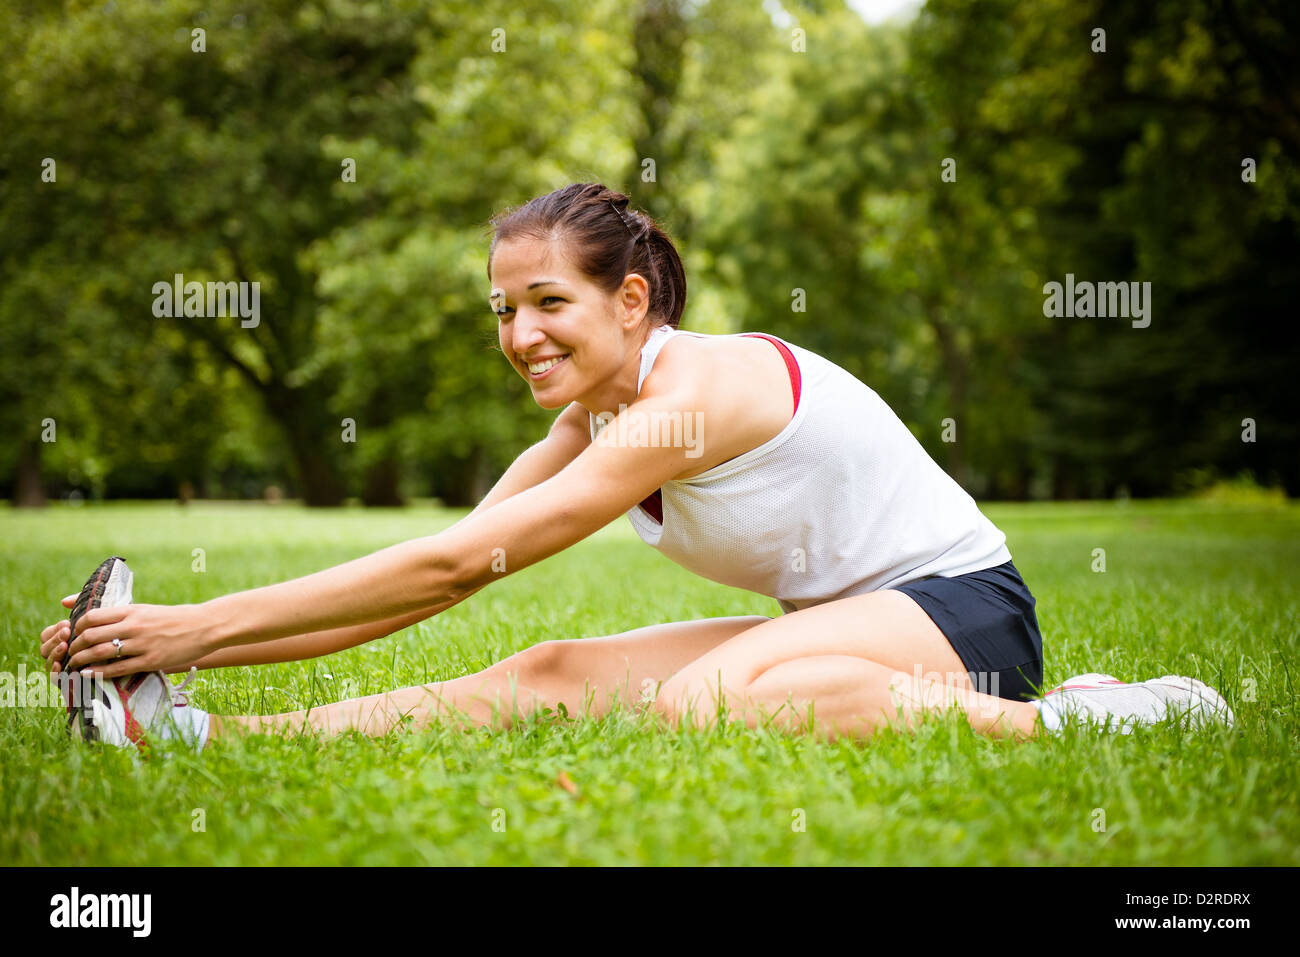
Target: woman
745 458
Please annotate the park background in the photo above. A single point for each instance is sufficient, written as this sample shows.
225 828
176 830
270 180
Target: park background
784 148
795 146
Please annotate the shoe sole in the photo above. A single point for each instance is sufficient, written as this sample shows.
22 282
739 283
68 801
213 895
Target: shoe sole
99 586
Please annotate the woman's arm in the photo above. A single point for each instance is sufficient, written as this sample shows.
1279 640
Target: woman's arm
603 482
314 645
568 436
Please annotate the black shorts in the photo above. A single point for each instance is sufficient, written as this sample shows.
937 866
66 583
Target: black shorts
988 618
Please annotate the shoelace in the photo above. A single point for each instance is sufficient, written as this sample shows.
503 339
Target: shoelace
178 693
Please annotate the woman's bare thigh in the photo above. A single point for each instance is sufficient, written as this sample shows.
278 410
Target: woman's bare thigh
887 628
635 662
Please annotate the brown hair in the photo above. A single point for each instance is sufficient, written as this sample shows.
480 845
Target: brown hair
605 240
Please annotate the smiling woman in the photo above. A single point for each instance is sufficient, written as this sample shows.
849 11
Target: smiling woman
900 596
559 268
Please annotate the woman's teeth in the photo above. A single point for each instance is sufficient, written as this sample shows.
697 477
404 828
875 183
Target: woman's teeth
540 367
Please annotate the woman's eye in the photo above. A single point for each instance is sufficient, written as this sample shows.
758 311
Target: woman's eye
502 311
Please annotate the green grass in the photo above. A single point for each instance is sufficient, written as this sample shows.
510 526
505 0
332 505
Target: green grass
1189 588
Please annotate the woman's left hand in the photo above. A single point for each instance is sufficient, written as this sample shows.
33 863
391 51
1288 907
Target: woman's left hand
154 638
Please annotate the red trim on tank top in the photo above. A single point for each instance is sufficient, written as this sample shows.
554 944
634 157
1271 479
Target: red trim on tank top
653 503
791 366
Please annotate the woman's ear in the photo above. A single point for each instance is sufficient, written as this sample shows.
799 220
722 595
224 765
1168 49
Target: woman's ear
634 298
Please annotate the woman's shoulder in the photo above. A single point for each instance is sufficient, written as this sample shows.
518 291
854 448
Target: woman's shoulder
739 386
687 361
678 359
686 356
685 347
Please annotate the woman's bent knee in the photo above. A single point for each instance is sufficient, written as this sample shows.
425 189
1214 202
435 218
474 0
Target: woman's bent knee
533 664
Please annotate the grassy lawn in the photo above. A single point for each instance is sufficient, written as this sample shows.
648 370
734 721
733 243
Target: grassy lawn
1189 588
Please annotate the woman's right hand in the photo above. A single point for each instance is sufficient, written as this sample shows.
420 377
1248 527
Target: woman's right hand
54 641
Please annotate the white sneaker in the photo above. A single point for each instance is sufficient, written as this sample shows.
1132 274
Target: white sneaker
130 710
1118 706
135 710
108 587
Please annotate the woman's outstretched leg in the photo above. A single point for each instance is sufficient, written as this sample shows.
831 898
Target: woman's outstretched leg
493 697
586 675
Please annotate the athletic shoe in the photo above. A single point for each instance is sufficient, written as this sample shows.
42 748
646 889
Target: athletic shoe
108 587
130 710
1118 706
142 708
1090 681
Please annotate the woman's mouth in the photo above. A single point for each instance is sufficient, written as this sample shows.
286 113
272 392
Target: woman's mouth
540 370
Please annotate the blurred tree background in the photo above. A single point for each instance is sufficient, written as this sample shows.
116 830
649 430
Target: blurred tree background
894 197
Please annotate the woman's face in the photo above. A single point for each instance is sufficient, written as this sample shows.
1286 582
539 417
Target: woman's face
568 339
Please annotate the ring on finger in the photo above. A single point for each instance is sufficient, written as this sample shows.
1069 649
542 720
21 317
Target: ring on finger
117 643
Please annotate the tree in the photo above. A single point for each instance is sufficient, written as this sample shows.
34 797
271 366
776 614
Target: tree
201 155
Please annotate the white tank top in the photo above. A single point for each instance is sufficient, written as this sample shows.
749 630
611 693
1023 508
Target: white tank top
843 501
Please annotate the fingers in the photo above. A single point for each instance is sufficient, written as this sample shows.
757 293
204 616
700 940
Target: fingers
93 657
98 639
94 627
54 642
54 660
51 645
103 660
102 616
89 648
54 639
112 669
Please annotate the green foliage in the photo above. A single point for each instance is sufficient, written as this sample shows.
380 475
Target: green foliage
1130 162
777 167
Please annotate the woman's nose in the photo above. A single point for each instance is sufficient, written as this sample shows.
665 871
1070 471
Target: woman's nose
527 331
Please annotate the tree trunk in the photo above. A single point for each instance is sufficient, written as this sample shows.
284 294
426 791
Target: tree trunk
311 440
659 39
465 482
1022 476
318 479
382 483
482 476
1065 486
29 492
